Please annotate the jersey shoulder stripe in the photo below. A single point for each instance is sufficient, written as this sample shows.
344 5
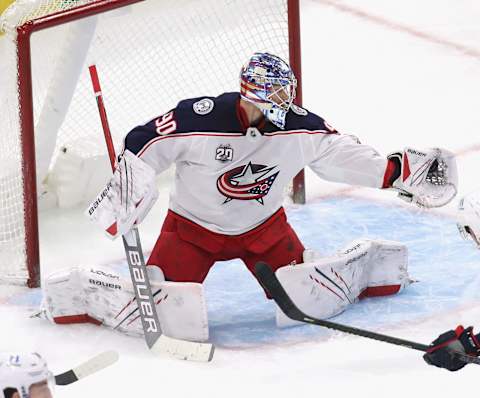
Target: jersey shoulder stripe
201 115
184 135
297 132
216 116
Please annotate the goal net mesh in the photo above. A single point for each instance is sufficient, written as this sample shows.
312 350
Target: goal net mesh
149 56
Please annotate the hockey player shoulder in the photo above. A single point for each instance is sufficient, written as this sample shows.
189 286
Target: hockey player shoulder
298 110
301 119
200 106
203 106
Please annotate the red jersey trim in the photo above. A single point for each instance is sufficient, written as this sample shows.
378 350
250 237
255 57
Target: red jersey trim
292 132
212 134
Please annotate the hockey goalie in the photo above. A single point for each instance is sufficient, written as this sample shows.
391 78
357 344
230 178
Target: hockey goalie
234 156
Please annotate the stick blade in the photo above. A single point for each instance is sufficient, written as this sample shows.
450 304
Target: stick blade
182 349
66 378
87 368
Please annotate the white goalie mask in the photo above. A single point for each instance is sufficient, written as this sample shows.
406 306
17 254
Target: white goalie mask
469 217
268 82
25 374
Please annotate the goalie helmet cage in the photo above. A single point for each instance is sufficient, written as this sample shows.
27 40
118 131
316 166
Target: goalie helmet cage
150 53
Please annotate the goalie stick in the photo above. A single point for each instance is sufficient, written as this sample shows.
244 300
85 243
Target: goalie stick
270 282
156 341
93 365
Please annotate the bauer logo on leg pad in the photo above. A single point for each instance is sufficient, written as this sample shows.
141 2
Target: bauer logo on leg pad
104 284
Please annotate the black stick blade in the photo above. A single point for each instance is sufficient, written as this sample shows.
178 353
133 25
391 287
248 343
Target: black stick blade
66 378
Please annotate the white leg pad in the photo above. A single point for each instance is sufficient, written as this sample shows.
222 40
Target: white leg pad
181 309
101 295
324 286
84 294
183 312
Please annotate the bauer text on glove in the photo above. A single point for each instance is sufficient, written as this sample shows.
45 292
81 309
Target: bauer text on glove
427 178
127 198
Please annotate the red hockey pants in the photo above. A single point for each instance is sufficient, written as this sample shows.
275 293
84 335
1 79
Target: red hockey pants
185 251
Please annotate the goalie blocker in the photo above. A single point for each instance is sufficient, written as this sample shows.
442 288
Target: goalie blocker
127 198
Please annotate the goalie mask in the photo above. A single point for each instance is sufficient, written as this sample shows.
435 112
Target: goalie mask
25 374
469 217
268 82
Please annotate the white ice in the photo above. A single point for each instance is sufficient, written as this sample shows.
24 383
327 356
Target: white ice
389 87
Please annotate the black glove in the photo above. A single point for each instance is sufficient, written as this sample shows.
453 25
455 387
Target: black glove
461 340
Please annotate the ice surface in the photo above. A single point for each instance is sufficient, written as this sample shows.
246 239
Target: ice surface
389 88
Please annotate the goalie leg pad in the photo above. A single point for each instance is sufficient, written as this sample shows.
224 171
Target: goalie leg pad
62 301
388 269
182 309
183 312
83 294
325 286
102 295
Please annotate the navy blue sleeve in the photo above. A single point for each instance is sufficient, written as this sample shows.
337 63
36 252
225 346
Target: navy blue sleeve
137 138
202 114
301 119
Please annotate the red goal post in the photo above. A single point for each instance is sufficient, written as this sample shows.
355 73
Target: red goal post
155 53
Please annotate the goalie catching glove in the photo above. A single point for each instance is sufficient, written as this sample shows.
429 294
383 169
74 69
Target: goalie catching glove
426 178
127 198
462 340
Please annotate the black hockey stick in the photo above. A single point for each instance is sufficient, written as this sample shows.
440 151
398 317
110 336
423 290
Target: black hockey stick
270 282
93 365
156 341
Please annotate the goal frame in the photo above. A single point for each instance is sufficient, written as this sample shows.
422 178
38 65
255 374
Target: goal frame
27 128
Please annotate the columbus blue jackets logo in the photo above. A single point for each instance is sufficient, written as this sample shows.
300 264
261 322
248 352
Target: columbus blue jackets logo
203 106
247 182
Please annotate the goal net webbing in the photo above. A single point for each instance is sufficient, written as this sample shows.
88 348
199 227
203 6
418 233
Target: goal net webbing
149 55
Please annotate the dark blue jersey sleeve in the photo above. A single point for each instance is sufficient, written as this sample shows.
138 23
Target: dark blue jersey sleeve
202 114
301 119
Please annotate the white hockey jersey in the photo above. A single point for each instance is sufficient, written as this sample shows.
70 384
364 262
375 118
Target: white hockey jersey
231 177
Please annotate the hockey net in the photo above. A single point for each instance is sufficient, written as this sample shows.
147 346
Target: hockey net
150 54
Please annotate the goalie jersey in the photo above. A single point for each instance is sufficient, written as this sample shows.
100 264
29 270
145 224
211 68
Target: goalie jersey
230 177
